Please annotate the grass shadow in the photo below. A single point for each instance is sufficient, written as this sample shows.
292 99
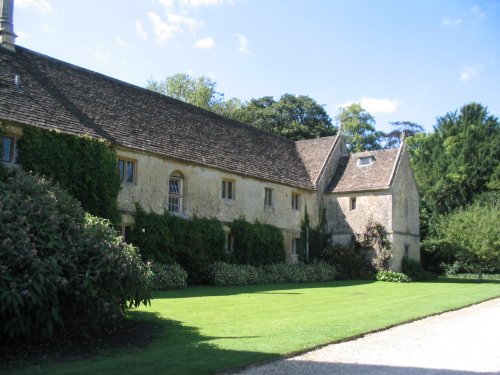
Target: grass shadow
172 348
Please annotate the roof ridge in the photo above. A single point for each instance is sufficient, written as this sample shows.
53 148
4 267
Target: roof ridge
154 93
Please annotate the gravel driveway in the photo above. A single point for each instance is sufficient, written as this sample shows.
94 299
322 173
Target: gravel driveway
462 342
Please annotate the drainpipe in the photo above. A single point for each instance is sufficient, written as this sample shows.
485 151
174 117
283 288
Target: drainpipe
307 244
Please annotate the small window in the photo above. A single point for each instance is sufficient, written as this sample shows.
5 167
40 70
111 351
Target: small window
295 201
268 197
9 149
365 160
229 242
125 231
228 189
175 190
295 246
126 170
407 251
352 204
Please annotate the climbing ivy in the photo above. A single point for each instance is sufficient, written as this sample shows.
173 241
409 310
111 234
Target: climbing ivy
83 166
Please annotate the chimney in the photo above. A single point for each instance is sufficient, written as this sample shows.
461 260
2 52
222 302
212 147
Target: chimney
7 35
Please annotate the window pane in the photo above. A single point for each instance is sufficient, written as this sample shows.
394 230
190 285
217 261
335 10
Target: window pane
173 204
174 186
121 169
130 171
7 145
229 190
127 233
223 189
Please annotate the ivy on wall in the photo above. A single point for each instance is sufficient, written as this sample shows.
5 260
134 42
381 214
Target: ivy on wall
165 238
256 243
199 242
83 166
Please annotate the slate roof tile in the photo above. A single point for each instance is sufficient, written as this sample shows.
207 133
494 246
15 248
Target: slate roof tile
352 177
59 95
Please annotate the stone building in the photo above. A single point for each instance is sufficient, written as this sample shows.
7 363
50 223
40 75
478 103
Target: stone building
177 157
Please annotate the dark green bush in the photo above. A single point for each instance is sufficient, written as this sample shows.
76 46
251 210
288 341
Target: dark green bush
167 276
83 166
395 277
193 243
60 269
346 259
256 244
414 270
243 274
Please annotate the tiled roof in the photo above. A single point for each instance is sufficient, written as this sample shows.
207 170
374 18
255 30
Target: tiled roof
58 95
352 177
313 153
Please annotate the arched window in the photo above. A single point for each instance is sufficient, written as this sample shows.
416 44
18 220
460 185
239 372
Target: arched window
175 192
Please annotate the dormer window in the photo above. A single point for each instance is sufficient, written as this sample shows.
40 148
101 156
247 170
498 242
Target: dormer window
365 160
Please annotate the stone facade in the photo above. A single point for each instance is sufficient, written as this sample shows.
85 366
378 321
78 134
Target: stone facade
396 207
166 140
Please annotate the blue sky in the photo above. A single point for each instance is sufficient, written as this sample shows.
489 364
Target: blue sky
403 60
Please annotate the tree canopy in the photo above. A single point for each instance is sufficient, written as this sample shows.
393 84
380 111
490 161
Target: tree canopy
200 91
459 160
292 116
358 127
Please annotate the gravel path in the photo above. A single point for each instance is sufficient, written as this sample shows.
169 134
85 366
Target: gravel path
462 342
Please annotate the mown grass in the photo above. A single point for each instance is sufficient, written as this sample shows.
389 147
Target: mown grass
202 330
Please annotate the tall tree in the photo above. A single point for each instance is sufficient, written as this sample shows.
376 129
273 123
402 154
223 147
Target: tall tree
200 91
292 116
459 160
358 127
400 128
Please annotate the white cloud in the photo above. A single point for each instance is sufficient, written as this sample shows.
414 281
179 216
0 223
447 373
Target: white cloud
451 22
243 43
201 3
374 106
140 31
190 23
43 5
163 30
120 41
206 43
469 72
46 27
168 4
478 12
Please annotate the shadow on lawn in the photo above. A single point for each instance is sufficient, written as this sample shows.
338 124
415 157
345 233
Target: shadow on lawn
181 349
217 291
169 347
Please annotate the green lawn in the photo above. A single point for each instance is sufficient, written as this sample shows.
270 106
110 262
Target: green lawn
208 329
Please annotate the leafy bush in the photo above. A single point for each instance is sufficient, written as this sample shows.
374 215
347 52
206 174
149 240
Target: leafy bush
59 267
395 277
486 276
83 166
242 274
377 244
193 243
167 276
346 259
256 244
414 270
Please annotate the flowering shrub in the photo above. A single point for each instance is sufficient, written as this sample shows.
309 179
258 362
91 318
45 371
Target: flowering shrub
243 274
168 276
59 267
395 277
